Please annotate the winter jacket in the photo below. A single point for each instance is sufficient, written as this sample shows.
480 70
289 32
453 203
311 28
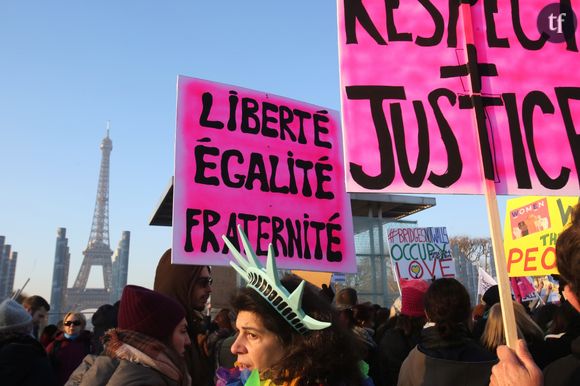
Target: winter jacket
65 354
23 361
556 348
176 281
565 371
393 349
103 370
458 360
131 358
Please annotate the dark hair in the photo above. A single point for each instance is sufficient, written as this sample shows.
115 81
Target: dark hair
381 316
346 297
105 316
50 330
35 302
364 315
323 356
447 305
568 253
544 315
224 316
491 296
103 319
48 334
346 318
409 325
565 315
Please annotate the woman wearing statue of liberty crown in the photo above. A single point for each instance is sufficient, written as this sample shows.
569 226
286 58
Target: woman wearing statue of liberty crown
287 332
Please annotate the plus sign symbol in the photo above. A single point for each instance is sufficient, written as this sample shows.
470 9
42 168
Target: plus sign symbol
478 102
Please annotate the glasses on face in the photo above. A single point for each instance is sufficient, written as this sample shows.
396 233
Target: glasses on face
204 281
72 323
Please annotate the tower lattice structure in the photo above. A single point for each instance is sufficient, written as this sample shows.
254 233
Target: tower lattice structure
98 251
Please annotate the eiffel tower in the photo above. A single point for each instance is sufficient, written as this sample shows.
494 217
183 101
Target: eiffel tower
98 251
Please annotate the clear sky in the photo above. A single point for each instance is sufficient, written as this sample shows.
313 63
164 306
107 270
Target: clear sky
67 67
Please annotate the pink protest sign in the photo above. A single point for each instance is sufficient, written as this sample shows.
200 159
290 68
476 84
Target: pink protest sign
271 164
426 87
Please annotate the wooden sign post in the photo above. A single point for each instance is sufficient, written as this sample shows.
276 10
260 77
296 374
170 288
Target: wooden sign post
505 296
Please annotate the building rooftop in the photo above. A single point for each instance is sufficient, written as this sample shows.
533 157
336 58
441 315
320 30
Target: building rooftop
391 206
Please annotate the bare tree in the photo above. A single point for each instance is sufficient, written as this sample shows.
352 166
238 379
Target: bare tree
477 250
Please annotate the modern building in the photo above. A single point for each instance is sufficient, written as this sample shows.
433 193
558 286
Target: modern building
8 259
59 276
120 266
97 253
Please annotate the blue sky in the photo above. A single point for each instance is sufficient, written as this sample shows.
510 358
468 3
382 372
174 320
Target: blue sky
67 67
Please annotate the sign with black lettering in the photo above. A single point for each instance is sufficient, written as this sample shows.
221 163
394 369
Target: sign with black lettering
439 95
271 164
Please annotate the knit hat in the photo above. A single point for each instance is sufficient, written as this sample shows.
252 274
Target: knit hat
149 312
412 294
491 296
105 316
14 318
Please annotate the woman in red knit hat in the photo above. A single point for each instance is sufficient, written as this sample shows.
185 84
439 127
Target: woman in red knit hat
398 341
146 348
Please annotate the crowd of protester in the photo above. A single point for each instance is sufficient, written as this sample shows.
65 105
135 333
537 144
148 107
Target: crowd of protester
431 335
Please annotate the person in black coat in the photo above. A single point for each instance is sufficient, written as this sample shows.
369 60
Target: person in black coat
490 297
103 320
23 360
398 341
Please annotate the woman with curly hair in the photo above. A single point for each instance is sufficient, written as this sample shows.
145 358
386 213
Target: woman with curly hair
287 333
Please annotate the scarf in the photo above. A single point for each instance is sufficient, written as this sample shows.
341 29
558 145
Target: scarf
365 335
237 377
139 348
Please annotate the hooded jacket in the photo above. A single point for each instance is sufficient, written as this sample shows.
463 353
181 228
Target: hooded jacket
177 282
458 360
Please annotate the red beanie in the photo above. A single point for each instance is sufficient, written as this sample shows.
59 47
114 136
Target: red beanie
149 312
412 294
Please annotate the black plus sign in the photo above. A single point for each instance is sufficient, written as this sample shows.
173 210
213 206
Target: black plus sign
473 68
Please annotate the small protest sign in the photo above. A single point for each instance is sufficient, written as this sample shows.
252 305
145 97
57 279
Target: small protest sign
531 228
484 281
420 253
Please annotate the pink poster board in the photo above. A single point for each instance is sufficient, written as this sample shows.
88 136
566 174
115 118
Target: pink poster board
417 93
271 164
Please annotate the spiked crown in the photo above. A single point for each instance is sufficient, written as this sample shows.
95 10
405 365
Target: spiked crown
266 282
